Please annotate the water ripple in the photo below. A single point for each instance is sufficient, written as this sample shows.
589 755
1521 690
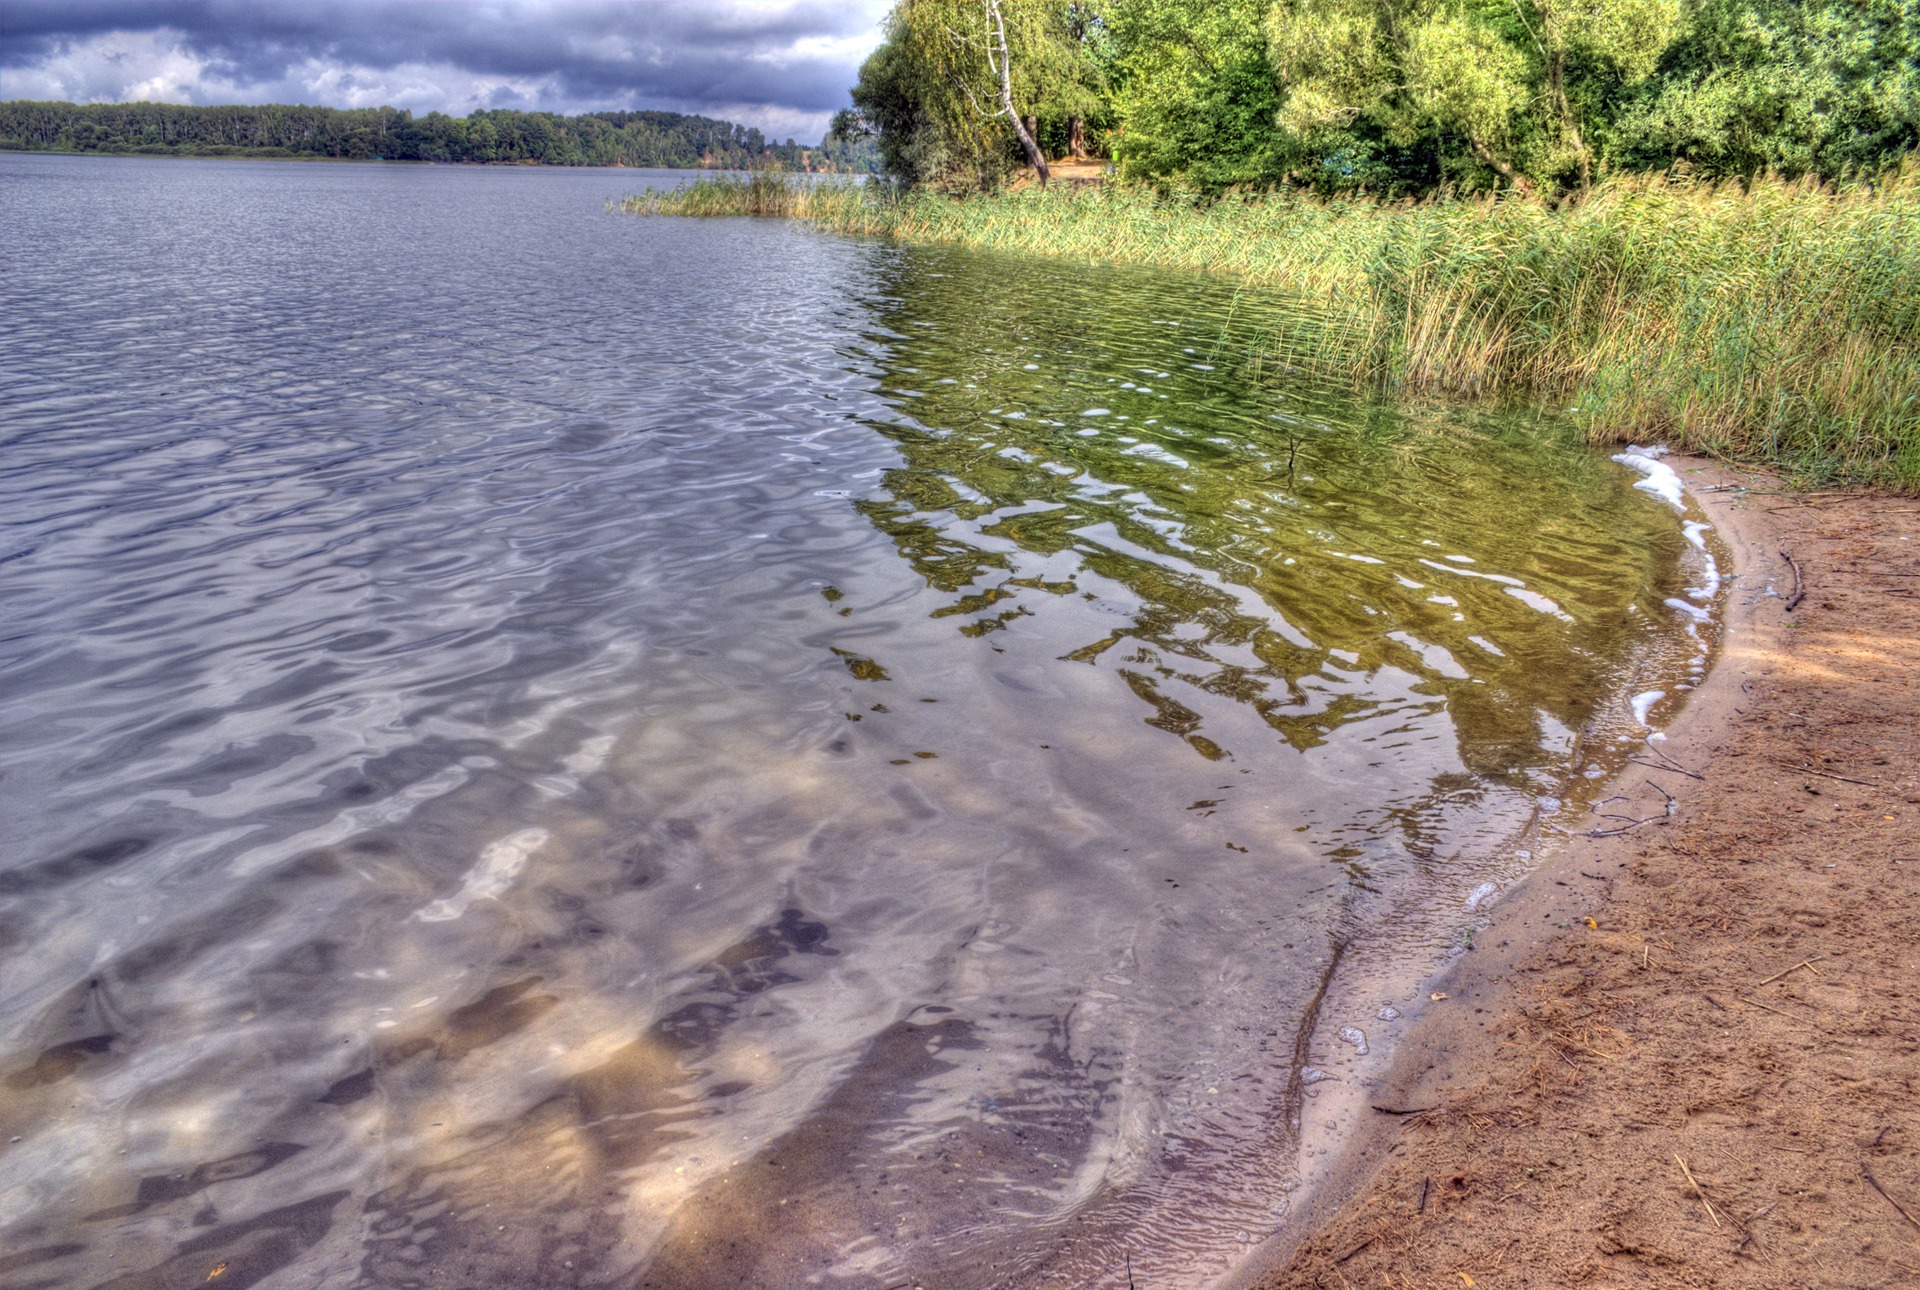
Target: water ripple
534 739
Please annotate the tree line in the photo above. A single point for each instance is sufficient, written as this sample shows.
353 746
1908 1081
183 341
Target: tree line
654 139
1394 97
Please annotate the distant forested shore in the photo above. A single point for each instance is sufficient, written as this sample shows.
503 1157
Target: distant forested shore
665 140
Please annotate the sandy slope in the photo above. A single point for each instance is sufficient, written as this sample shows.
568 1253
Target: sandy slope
1572 1068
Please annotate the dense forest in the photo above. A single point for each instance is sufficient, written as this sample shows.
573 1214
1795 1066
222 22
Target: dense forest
1393 96
662 139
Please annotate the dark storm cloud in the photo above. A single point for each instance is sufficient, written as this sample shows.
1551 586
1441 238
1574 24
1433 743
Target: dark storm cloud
795 59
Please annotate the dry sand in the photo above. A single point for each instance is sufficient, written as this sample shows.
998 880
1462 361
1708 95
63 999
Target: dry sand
1716 1082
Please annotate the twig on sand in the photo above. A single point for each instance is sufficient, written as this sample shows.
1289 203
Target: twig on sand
1394 1110
1904 1211
1668 762
1355 1250
1799 582
1826 774
1803 963
1698 1190
1775 1011
1421 1208
1676 769
1630 825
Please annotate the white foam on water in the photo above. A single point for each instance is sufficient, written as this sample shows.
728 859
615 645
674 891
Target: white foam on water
1643 704
1710 577
1696 612
1709 584
1660 479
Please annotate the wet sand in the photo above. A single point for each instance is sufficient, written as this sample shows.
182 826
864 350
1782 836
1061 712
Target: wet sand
1687 1053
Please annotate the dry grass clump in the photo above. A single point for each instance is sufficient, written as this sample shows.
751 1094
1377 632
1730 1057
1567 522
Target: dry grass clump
1773 321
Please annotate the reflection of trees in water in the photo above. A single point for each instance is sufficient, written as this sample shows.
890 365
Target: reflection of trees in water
1065 438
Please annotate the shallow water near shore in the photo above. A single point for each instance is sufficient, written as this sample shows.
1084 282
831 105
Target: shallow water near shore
553 749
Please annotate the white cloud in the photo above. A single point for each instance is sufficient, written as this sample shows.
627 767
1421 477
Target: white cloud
772 66
119 66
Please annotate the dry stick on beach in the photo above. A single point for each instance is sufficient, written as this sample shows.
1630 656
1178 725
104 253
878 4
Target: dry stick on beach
1630 825
1775 1011
1803 963
1904 1212
1799 582
1826 774
1677 770
1356 1249
1698 1190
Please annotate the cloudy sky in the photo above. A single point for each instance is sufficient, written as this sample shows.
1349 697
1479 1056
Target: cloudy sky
784 67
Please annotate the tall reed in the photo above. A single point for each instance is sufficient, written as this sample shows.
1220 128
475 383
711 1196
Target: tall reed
842 205
1774 321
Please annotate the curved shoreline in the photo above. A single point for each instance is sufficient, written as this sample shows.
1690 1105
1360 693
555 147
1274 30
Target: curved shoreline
1534 1114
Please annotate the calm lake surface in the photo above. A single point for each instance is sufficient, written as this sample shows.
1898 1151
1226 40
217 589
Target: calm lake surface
541 748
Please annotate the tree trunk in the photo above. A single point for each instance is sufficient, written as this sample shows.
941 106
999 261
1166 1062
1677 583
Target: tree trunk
1512 176
1077 138
1557 77
1005 68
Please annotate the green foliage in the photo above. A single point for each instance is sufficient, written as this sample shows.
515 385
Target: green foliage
1510 89
1196 93
1829 88
1410 96
929 94
662 139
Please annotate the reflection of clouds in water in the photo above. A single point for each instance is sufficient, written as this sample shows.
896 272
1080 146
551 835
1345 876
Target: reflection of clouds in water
490 877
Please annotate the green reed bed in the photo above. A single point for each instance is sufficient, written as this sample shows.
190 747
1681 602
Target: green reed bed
837 204
1774 322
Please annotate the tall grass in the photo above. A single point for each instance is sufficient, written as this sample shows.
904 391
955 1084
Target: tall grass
1773 322
842 205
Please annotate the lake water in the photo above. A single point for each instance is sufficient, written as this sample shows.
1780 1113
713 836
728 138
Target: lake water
542 748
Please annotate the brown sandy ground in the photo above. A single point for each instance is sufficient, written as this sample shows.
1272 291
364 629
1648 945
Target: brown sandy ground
1747 1001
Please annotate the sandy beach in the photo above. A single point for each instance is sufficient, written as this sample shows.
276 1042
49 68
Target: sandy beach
1687 1052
